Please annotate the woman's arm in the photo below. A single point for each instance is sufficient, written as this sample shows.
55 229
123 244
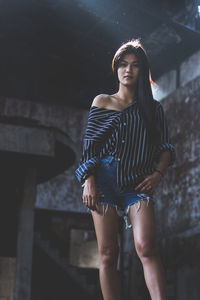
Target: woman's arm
163 163
89 160
164 155
92 142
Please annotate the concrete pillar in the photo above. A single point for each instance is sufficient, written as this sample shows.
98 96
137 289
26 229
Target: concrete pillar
7 275
22 289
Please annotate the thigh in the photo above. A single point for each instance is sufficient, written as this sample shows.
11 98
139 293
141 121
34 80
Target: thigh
106 228
143 222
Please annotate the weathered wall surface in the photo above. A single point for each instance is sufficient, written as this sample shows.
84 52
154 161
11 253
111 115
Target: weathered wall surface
7 271
188 70
177 204
166 84
62 192
179 193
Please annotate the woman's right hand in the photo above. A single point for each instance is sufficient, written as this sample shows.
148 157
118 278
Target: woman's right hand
90 193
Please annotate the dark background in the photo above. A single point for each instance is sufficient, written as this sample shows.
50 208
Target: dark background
60 51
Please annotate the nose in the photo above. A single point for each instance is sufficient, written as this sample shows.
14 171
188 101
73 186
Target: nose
128 67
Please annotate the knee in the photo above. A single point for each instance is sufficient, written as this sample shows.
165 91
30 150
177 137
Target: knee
109 256
146 249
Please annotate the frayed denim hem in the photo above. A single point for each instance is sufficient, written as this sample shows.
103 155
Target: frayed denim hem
122 212
138 202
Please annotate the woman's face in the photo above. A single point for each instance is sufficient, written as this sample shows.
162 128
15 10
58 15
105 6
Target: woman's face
128 70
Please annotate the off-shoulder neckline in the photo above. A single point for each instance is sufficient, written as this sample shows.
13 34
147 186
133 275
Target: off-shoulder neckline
115 110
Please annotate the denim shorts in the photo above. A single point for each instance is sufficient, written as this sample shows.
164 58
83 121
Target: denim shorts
110 193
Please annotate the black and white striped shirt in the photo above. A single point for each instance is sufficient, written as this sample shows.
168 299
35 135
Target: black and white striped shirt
123 135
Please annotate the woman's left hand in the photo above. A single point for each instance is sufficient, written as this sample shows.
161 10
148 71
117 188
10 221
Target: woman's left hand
150 183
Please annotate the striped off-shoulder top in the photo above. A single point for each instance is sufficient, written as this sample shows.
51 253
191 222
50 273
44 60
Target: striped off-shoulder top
123 135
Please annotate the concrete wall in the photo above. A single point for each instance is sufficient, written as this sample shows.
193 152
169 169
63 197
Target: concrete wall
64 191
180 205
7 276
166 84
188 70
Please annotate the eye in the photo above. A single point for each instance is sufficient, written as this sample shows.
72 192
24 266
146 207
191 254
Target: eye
122 64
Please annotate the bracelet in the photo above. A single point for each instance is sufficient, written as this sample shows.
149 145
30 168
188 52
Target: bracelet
161 173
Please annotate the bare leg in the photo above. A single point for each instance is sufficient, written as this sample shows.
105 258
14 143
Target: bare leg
144 232
106 232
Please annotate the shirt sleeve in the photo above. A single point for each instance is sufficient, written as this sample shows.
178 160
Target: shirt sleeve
90 157
165 143
89 160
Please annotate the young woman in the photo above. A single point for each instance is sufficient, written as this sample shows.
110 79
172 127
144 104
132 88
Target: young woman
126 151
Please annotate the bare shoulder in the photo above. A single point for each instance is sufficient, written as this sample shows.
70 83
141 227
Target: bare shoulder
101 100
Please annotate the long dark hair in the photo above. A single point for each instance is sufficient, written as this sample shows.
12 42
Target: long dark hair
144 97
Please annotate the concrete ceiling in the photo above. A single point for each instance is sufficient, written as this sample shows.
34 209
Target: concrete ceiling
60 51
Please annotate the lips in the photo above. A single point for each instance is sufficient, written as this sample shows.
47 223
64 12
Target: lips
128 76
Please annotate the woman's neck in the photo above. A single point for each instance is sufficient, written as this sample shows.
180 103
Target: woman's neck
126 94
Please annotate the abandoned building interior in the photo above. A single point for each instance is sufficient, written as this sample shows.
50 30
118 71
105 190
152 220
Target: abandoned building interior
55 57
